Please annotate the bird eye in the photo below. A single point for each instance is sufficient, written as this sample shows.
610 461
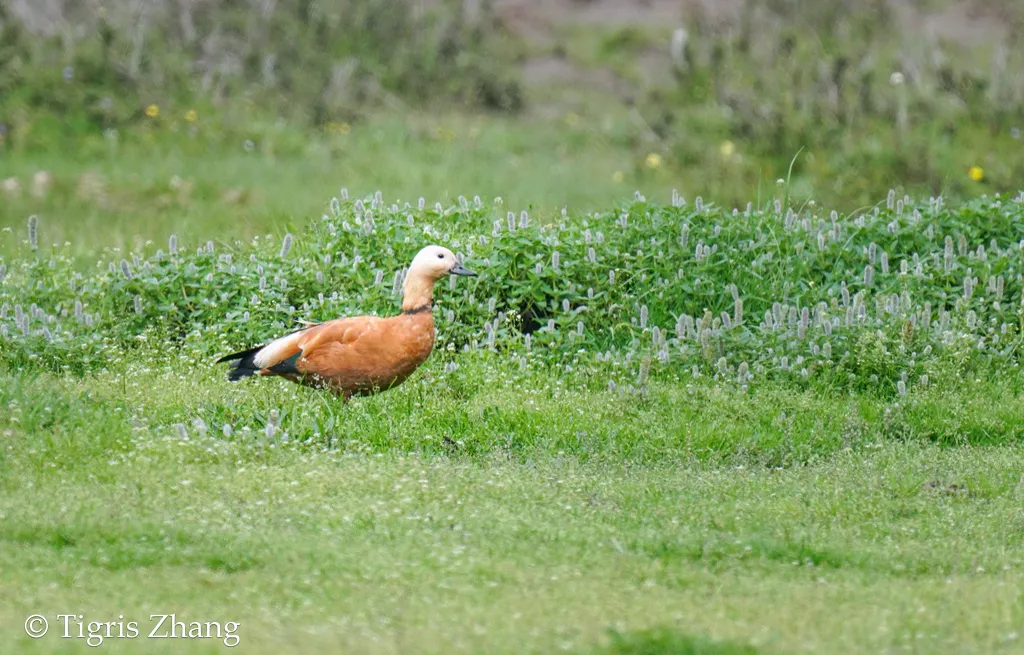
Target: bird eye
440 255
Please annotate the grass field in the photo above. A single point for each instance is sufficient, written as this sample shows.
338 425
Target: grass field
613 489
558 520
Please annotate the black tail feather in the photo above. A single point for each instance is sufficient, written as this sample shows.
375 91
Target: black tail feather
239 372
245 366
245 354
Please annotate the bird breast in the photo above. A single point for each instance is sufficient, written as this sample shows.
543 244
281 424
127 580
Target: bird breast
403 344
414 338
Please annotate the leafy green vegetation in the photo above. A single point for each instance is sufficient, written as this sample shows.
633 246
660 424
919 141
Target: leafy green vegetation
894 298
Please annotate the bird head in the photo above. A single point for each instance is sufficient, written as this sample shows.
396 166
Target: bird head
435 262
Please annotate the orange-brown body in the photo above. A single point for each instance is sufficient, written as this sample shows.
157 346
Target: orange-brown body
363 354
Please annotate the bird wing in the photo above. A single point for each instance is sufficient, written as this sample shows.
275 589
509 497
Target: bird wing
351 354
332 334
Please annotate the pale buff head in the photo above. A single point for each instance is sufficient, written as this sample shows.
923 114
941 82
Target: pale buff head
435 262
427 267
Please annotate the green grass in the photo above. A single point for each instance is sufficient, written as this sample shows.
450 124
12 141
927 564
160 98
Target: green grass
407 555
239 194
533 517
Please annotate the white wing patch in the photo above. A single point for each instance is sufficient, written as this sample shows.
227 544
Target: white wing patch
274 352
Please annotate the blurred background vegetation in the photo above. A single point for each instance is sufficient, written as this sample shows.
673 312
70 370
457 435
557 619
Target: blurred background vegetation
133 119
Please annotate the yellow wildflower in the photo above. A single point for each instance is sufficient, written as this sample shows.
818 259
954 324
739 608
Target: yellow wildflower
442 133
976 173
152 111
191 116
617 177
728 149
654 160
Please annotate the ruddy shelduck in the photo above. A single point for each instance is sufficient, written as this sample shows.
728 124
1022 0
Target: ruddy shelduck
359 355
